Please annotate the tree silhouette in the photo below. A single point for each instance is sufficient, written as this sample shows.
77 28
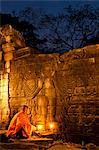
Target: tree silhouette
72 28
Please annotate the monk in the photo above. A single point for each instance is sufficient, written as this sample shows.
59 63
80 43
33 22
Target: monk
20 126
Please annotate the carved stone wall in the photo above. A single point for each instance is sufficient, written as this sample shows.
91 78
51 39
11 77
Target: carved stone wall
77 80
32 83
62 88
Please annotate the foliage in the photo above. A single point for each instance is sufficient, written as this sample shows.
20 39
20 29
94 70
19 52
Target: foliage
72 28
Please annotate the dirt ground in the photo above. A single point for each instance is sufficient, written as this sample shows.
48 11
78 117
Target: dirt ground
54 146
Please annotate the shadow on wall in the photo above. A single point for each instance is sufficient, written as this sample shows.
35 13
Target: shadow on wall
72 130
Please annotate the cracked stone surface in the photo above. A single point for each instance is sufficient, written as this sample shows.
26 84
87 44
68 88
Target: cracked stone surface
63 87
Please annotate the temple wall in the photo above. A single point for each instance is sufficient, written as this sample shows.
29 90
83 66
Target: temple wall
58 86
32 83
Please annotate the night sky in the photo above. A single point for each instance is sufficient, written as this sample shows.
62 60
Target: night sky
50 6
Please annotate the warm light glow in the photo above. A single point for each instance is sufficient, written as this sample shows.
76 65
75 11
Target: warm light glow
4 95
53 125
7 64
40 127
4 89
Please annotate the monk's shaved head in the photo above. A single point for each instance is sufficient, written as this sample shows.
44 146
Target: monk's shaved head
24 107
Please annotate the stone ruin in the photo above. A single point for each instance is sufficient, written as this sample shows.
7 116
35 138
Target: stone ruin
60 88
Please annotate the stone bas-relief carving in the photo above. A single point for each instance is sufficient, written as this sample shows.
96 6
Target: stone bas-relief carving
88 90
36 88
66 86
58 86
10 40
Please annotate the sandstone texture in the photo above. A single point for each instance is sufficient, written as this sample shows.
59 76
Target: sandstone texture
62 88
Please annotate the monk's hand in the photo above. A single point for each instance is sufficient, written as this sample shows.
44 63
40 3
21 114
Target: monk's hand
29 115
29 137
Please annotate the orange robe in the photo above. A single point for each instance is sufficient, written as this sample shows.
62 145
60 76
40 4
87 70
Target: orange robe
20 121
